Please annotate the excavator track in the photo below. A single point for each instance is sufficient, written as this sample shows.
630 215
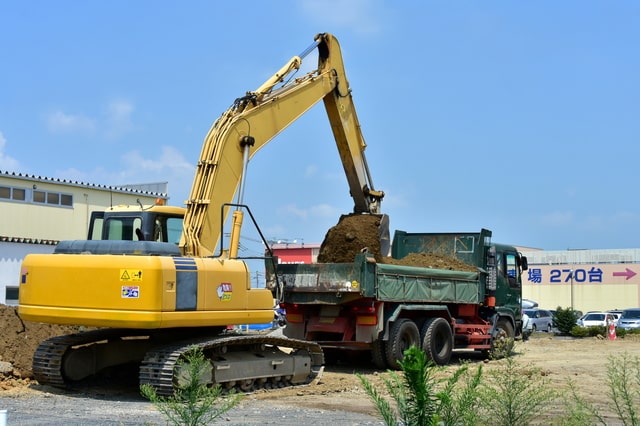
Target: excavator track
244 362
49 358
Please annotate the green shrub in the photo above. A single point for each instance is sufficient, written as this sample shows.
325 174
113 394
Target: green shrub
592 331
564 320
577 331
597 330
421 399
513 395
194 403
623 383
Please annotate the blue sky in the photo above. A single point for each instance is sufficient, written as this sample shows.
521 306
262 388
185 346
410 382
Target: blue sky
520 117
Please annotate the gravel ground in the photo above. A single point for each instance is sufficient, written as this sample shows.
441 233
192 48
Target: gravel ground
337 399
41 407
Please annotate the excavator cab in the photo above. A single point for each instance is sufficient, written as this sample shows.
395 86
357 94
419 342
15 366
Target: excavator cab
127 223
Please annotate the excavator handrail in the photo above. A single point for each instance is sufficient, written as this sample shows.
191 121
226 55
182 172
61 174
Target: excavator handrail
261 115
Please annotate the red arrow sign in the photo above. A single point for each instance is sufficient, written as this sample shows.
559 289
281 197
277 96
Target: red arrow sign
627 273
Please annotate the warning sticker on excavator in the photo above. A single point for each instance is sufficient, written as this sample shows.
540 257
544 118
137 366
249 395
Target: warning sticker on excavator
225 292
130 292
129 275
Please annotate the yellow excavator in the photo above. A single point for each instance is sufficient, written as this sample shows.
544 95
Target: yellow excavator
154 283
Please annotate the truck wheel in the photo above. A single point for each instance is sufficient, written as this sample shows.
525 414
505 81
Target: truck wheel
378 353
437 340
503 338
403 334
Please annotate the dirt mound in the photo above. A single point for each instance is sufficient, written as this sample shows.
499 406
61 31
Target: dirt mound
357 232
431 260
350 236
19 339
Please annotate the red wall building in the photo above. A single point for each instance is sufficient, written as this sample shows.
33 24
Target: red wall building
296 253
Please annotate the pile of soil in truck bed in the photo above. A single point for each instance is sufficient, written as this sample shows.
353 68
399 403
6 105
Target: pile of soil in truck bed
357 232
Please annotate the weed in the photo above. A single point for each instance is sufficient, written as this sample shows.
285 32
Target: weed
194 403
512 395
420 399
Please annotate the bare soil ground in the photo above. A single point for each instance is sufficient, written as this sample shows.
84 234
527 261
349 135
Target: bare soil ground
337 398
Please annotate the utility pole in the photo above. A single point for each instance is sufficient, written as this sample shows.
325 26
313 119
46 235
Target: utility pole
571 276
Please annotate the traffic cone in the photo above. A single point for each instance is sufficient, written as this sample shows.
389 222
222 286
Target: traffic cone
612 331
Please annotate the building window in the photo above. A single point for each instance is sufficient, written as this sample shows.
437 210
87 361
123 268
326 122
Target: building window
53 198
66 200
10 193
39 196
50 198
11 295
19 194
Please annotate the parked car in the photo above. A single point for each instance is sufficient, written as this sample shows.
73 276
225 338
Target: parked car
630 318
617 314
540 319
592 319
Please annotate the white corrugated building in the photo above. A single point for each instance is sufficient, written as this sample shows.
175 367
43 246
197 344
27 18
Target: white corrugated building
36 212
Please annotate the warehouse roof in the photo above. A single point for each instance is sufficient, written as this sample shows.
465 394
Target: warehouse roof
133 188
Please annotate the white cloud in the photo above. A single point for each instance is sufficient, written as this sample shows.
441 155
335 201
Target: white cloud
360 16
170 159
6 162
311 170
118 120
115 122
167 165
624 216
60 122
317 211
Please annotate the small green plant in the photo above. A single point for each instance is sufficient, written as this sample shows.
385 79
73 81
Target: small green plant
564 320
623 383
420 399
502 348
591 331
578 411
513 395
623 374
194 403
577 331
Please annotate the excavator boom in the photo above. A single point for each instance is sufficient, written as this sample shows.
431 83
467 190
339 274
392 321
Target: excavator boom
255 119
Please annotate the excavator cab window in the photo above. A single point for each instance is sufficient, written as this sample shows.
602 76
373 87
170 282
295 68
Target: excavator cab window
173 229
123 228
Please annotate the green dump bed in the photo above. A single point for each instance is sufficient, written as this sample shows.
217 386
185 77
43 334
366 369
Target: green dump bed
335 283
465 246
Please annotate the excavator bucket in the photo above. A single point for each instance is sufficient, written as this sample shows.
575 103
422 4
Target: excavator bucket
353 234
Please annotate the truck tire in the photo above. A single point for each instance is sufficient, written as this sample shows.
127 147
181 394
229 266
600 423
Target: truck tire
403 334
504 336
437 340
378 354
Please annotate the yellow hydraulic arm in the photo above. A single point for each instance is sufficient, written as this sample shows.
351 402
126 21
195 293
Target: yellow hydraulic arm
254 120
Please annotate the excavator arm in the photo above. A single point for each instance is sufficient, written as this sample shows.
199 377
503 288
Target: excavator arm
254 120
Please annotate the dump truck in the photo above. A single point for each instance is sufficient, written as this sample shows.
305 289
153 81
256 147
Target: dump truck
386 306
